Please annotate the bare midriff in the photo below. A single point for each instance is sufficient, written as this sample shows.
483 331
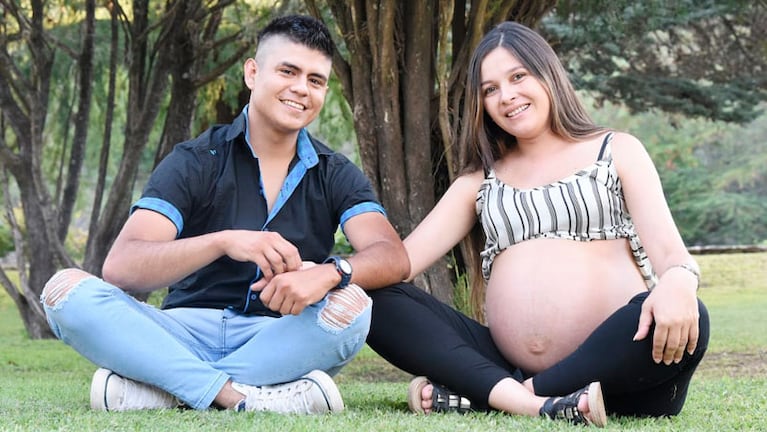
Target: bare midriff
546 296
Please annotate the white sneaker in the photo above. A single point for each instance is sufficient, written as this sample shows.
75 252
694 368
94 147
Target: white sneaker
313 393
111 392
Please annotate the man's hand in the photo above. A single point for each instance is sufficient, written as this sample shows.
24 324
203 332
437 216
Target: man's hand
269 250
674 309
289 293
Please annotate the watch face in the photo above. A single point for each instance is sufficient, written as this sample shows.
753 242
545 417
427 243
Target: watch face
345 266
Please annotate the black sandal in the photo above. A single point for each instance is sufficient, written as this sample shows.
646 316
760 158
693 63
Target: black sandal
566 407
442 398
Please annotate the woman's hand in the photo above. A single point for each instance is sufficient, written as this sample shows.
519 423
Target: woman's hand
673 307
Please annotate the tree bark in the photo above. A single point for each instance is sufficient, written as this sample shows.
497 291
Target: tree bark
81 122
91 263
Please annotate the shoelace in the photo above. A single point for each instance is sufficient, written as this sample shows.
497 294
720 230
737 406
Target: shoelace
283 398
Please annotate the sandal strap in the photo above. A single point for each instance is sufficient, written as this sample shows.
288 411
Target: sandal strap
445 400
565 408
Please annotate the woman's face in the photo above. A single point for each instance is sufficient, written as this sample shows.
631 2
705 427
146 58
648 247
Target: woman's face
514 98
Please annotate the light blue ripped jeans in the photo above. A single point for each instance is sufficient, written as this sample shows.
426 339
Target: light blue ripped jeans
192 352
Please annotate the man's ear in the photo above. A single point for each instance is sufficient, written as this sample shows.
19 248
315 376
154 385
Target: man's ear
250 70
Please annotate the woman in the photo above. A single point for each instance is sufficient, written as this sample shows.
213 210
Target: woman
574 301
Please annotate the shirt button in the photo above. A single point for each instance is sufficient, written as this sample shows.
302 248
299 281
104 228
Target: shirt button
254 296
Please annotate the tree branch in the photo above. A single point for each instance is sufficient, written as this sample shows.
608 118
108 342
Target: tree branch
222 66
19 120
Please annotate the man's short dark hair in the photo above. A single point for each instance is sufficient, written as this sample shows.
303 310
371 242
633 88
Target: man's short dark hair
301 29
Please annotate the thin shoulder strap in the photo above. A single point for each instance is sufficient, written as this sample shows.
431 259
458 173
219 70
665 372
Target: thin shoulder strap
606 141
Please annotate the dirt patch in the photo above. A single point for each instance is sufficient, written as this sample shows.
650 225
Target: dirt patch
734 364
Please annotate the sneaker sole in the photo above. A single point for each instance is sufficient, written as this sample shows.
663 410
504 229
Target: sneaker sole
100 396
329 389
99 389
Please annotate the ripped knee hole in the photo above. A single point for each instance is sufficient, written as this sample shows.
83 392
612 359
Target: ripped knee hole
344 305
59 285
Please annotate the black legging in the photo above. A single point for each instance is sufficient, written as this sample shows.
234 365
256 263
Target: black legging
422 336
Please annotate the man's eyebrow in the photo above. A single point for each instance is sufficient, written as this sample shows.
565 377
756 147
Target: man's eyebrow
295 67
289 65
319 76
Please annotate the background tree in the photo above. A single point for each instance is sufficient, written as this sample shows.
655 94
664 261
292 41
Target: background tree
25 83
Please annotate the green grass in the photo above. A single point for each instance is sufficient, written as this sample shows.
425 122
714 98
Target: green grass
44 384
734 288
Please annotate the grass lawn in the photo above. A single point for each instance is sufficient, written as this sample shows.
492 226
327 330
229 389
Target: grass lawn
44 385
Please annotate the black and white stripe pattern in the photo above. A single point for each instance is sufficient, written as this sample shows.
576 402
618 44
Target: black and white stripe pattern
588 205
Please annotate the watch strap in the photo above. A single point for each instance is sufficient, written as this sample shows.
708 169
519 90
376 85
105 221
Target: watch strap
345 277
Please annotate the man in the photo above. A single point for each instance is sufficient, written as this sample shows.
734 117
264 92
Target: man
233 223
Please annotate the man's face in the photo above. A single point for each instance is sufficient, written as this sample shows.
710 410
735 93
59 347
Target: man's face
288 83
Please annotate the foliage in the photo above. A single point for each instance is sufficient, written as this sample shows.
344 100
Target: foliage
341 246
708 216
698 58
714 173
224 97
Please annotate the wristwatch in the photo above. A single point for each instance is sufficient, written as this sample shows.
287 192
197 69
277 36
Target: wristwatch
343 267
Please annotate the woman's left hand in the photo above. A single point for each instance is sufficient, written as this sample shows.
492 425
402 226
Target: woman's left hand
673 306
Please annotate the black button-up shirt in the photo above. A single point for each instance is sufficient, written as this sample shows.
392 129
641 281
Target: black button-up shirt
213 183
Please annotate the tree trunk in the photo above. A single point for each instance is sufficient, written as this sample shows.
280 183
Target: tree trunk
420 104
24 297
178 123
91 263
183 91
35 323
82 124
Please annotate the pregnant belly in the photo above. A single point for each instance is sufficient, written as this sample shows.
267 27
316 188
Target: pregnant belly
533 335
541 310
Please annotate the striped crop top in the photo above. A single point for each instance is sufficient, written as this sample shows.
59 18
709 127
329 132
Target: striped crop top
584 206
